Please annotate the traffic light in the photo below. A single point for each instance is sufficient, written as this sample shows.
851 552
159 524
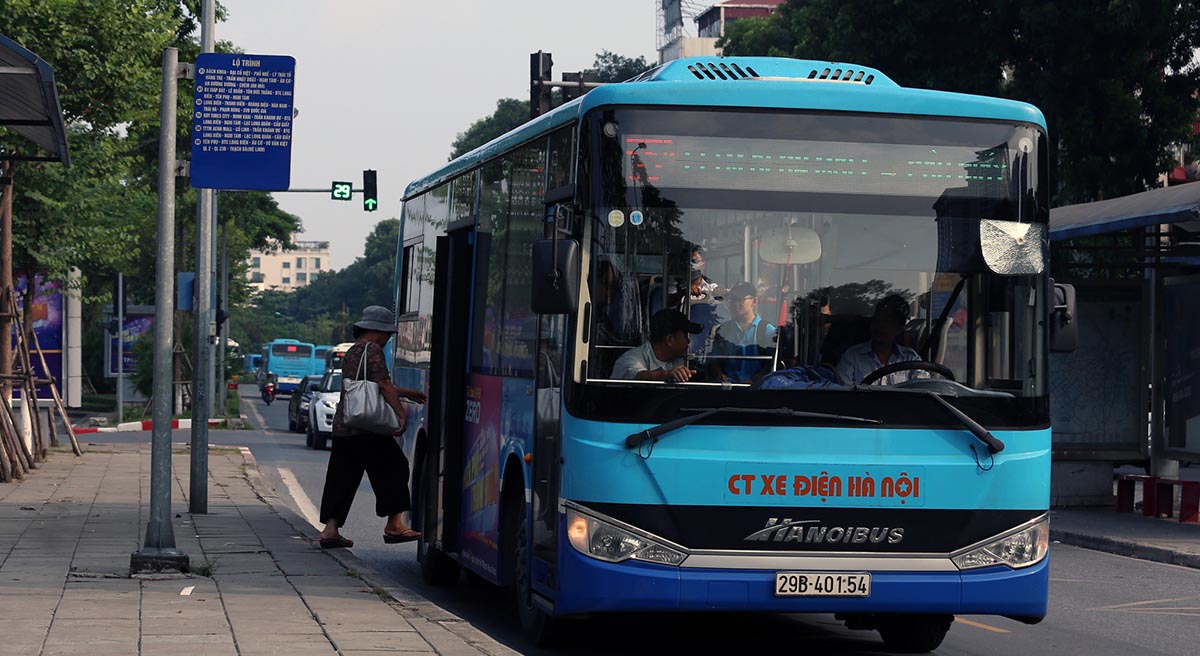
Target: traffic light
370 193
540 66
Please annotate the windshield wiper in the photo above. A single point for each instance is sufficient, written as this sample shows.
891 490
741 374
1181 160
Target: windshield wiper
982 434
635 440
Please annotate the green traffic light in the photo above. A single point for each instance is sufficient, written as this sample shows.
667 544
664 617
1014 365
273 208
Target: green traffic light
370 204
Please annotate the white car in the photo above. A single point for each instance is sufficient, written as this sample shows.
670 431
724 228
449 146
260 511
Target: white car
321 408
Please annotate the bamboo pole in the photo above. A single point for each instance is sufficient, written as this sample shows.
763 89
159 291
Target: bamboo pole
29 398
8 456
53 426
20 453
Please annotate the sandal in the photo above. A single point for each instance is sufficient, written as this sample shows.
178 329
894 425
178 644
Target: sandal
395 538
339 542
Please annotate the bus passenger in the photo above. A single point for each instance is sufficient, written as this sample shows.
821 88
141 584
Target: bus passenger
354 452
746 335
664 356
887 324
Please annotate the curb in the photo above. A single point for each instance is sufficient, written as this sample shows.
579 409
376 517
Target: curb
144 425
1126 548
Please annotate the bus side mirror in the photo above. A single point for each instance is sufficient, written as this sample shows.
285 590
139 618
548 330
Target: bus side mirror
555 276
1064 326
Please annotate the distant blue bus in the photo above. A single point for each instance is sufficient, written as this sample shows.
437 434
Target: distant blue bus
252 362
320 353
290 360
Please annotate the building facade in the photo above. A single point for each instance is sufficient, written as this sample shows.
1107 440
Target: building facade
675 42
287 270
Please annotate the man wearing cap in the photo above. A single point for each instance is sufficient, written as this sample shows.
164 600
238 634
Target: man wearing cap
664 356
743 337
887 324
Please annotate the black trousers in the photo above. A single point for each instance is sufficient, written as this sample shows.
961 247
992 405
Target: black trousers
386 467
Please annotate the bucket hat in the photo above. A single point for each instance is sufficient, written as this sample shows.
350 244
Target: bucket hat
377 317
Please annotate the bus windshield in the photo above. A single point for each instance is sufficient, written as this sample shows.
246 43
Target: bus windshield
799 251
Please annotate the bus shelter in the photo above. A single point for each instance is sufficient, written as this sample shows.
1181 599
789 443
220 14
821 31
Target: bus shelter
1131 392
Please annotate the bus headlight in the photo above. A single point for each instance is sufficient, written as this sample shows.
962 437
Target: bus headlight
1022 548
603 541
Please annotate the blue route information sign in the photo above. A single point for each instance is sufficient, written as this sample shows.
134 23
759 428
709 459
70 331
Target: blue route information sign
242 127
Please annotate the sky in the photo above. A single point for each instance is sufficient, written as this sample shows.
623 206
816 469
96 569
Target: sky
388 84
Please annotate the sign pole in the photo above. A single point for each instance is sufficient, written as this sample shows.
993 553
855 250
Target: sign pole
159 553
202 367
120 347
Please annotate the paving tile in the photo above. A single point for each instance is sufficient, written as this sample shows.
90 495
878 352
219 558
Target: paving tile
190 644
381 641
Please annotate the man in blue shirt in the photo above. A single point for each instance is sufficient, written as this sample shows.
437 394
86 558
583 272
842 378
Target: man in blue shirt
744 337
887 324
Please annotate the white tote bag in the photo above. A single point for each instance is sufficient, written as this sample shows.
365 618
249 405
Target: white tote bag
363 406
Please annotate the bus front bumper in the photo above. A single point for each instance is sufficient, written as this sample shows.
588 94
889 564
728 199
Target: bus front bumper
587 585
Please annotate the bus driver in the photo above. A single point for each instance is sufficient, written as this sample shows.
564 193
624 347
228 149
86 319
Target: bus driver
887 324
664 356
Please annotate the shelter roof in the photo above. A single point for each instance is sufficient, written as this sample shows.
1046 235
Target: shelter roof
1166 205
29 103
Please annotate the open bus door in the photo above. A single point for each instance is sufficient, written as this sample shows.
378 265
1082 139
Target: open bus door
438 482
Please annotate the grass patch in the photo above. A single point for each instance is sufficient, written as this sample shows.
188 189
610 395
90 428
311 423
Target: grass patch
99 402
354 573
206 569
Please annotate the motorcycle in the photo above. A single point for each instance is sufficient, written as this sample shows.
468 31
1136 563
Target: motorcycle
268 393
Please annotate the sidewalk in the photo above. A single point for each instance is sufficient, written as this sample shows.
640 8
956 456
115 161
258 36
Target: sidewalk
1128 534
260 584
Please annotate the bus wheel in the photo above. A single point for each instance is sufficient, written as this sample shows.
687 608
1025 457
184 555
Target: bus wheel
914 634
437 568
537 625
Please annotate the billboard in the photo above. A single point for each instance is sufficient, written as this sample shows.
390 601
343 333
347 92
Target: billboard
139 320
49 323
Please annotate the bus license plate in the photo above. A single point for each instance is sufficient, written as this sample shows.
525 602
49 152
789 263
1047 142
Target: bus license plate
822 584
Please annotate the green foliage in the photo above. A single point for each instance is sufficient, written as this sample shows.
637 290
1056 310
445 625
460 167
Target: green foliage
105 53
510 113
1115 79
611 67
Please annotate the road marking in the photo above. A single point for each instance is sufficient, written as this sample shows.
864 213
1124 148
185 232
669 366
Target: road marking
262 423
306 506
1148 607
981 625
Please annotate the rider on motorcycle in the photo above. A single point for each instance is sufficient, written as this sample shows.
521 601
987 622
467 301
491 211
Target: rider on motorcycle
269 385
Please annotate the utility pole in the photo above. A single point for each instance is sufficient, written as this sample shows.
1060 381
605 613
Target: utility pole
159 553
223 324
204 325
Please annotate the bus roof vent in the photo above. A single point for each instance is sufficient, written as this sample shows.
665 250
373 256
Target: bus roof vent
778 69
838 74
720 71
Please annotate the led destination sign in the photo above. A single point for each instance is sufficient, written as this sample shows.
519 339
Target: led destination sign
687 162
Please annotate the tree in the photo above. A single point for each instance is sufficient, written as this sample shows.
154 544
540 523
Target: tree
510 113
1115 80
610 67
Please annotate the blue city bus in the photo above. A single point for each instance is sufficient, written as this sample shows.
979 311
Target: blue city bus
290 360
856 217
252 362
319 357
